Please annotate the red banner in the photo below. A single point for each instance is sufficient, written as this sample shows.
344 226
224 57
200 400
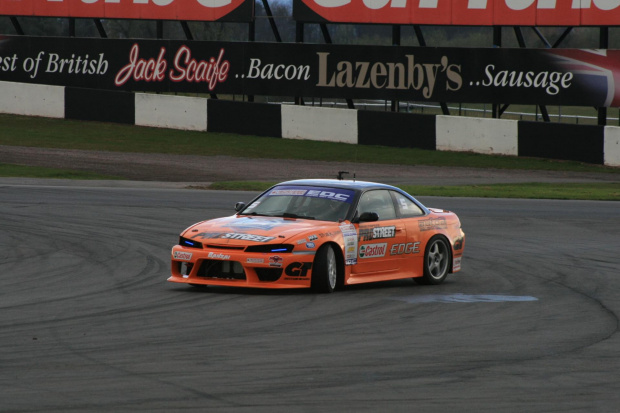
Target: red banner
462 12
201 10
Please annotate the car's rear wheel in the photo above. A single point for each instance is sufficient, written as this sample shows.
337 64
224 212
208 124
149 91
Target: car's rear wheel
436 261
325 270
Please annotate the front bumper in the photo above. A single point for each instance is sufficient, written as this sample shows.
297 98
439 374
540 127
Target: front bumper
235 268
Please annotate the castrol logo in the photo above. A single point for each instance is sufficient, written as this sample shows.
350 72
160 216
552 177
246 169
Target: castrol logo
184 256
373 250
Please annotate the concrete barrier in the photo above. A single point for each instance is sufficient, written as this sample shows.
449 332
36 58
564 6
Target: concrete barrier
32 100
612 146
487 136
174 112
584 143
319 124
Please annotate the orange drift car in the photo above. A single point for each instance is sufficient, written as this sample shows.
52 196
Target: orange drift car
321 234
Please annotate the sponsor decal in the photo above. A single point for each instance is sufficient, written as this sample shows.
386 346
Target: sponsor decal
253 205
184 68
255 260
349 235
386 75
275 261
310 245
342 195
406 248
265 224
218 256
312 238
181 255
368 234
432 223
337 196
233 235
298 269
456 264
373 250
550 82
301 241
293 192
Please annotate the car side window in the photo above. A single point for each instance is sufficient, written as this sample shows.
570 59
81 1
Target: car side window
378 201
406 207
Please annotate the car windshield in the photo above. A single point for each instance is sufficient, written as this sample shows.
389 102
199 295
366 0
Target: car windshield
306 202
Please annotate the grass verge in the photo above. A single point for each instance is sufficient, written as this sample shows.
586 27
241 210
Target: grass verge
21 171
68 134
597 191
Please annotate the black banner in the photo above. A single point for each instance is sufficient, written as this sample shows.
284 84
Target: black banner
494 75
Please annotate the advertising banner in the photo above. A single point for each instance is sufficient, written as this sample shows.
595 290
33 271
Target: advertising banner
461 12
484 75
201 10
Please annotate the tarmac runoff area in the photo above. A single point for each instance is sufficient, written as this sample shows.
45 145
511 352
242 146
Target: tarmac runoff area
89 323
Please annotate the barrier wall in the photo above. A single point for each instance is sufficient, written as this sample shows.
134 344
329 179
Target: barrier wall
319 124
585 143
489 136
172 112
612 146
32 100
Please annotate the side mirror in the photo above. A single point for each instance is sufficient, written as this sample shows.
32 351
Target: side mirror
368 217
239 206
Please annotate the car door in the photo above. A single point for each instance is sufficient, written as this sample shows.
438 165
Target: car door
376 239
412 249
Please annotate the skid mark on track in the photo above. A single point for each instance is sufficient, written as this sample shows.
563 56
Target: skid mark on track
464 298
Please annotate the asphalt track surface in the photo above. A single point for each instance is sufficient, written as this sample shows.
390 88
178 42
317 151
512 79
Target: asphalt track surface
89 324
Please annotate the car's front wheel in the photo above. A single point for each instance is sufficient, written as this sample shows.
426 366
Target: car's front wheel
436 261
325 270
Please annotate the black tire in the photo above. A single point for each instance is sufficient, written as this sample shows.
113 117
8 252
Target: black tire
325 270
437 255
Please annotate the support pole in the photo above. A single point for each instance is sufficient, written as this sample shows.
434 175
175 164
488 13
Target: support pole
17 26
100 29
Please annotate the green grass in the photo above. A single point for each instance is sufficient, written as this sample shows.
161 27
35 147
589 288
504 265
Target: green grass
67 134
589 191
21 171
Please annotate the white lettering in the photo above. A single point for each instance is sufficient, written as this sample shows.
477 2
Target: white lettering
477 4
376 4
214 3
551 82
269 71
332 3
546 4
519 4
607 4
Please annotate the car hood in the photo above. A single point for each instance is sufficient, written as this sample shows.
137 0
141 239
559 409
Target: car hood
244 230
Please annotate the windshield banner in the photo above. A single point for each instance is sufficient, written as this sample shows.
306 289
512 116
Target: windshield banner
332 194
484 75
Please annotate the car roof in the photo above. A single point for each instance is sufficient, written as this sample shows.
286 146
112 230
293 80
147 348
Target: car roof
337 183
